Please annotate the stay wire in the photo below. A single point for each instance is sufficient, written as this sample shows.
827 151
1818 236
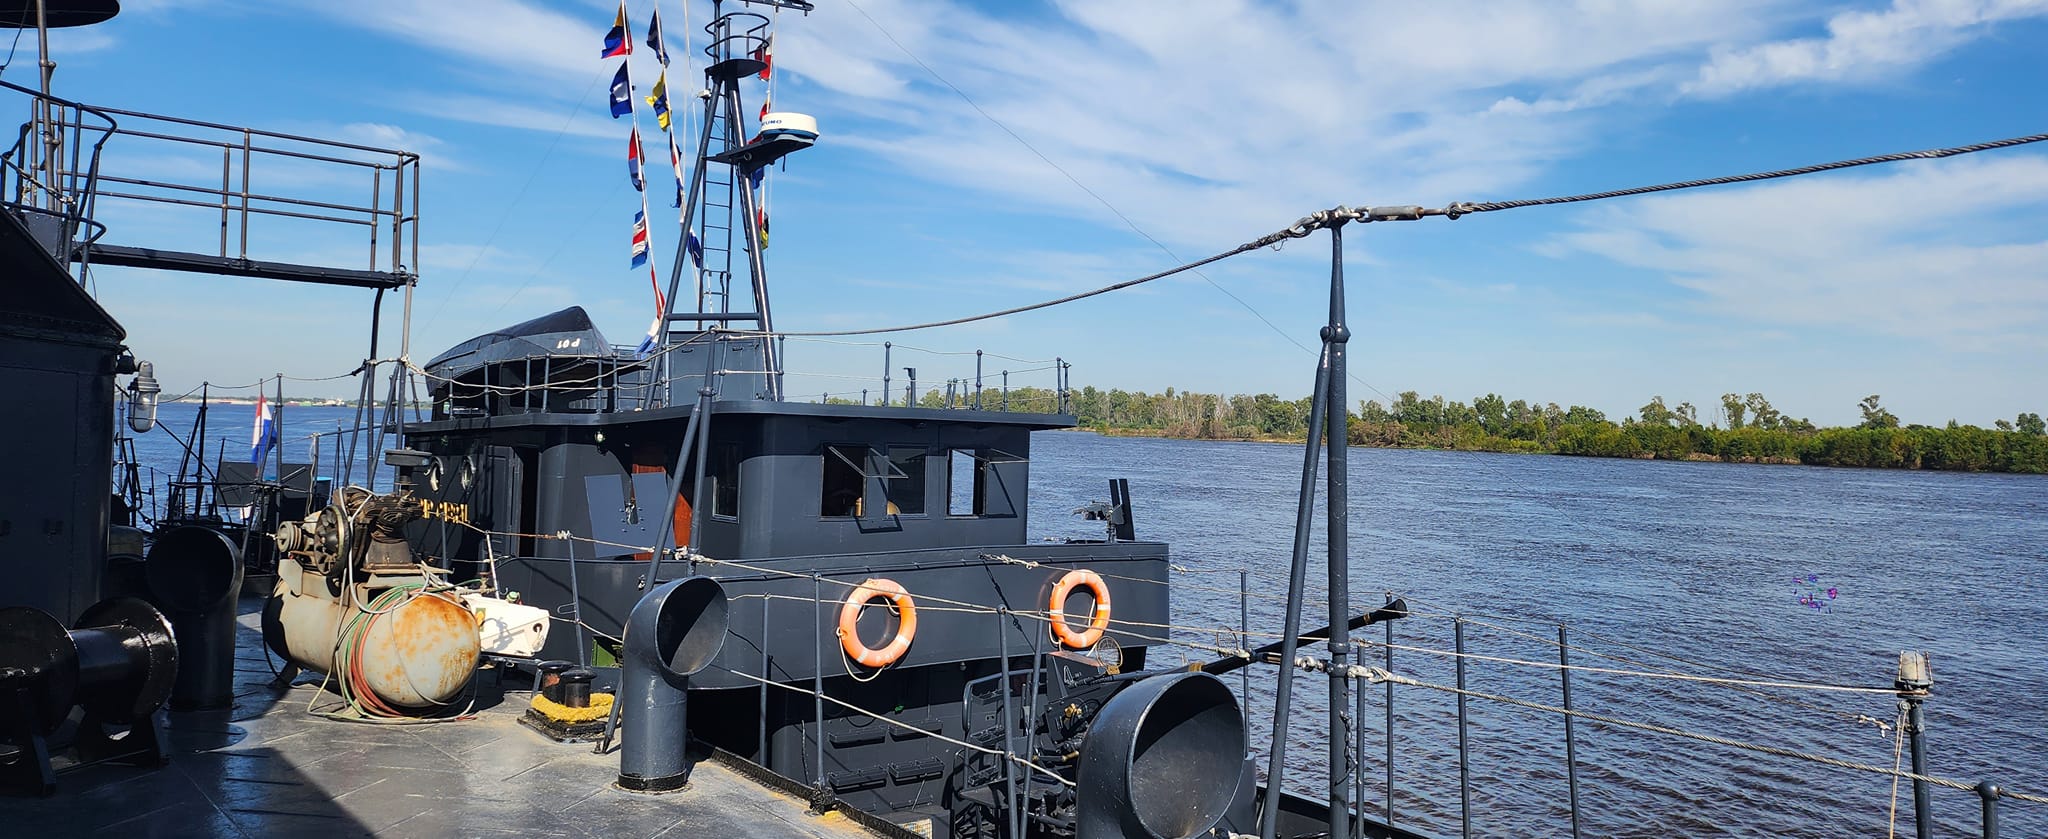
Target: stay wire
1461 208
1092 193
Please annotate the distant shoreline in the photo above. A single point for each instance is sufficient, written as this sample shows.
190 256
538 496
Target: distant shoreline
1691 457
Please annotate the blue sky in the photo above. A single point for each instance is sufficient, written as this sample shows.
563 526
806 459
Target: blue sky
1206 124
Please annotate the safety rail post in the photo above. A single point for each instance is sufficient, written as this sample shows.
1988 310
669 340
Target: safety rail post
821 797
1059 384
376 203
1006 391
761 734
977 380
1009 723
244 250
1464 744
1914 681
886 347
1244 634
1358 749
1389 663
1989 792
227 159
1571 760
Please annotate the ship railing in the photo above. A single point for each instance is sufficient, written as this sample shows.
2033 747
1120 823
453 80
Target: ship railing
282 208
50 175
543 383
993 382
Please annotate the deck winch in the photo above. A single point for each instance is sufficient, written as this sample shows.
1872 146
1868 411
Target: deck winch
118 662
353 601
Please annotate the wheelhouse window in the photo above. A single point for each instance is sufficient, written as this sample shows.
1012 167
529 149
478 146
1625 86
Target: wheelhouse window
965 479
725 481
850 470
845 479
906 480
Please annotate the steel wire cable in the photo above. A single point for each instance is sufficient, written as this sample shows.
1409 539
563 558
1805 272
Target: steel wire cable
1375 674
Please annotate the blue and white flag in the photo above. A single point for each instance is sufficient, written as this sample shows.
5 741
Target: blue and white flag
622 93
654 38
695 248
263 434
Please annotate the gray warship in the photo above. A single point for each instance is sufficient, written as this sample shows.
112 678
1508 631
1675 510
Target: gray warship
614 590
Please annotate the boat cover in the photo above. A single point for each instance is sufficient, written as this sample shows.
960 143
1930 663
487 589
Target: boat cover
567 334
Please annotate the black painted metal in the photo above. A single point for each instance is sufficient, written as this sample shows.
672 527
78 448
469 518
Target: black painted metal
1291 619
674 633
194 574
118 663
1989 792
1464 743
1163 760
1389 663
1571 755
1923 800
60 348
1335 335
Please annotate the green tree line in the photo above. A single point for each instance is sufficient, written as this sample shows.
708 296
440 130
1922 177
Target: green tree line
1746 429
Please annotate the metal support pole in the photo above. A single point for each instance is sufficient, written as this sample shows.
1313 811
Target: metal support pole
818 687
1923 804
1337 522
1389 664
1914 681
1059 384
245 195
705 390
1571 755
761 737
1030 714
1464 744
1296 581
1358 750
910 393
1989 792
977 380
1006 391
575 606
668 535
1009 725
1244 634
886 347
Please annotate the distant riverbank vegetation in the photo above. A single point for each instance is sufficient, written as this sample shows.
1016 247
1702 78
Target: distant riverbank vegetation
1745 429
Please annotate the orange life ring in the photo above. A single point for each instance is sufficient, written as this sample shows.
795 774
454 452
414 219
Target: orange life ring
849 617
1096 625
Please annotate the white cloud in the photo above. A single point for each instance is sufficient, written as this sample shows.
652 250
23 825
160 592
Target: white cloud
1860 45
1917 253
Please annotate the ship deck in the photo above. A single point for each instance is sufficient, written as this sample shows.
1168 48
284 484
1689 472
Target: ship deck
268 768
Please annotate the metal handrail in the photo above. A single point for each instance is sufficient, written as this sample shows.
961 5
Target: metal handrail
389 211
76 211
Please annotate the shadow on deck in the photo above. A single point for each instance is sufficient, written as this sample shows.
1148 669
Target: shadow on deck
270 769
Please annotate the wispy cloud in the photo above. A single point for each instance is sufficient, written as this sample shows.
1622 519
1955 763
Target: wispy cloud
1860 45
1919 253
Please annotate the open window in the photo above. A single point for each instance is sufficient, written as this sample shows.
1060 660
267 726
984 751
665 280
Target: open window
851 470
906 480
725 481
975 483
